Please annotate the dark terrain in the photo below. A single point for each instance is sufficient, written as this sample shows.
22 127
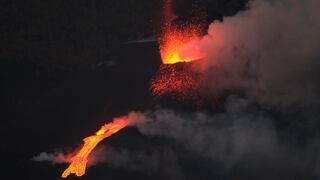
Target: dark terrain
66 69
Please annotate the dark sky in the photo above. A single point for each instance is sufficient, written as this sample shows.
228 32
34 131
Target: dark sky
65 70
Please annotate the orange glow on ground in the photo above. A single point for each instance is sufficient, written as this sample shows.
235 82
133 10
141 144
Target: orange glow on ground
176 79
178 82
79 161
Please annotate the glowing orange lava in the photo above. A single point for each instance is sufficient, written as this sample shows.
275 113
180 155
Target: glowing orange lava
176 79
175 37
174 40
79 161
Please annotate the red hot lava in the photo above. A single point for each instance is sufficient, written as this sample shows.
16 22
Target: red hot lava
78 162
176 78
174 38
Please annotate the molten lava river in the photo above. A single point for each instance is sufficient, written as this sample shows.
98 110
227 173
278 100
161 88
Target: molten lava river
169 80
79 161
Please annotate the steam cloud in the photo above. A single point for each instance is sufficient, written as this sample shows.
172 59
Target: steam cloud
54 158
270 52
60 157
243 142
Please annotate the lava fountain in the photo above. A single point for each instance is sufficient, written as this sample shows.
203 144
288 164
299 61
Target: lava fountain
174 38
79 161
170 79
176 78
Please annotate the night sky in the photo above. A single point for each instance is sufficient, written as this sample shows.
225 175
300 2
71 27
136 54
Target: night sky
68 67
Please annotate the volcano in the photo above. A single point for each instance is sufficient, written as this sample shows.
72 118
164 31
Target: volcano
245 106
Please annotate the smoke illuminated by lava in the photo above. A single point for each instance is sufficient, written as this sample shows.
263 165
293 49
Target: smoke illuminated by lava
174 40
79 161
175 37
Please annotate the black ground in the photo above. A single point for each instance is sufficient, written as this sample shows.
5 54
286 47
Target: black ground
59 83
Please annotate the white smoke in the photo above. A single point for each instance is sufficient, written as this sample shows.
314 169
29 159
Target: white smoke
60 157
96 157
270 51
54 158
244 142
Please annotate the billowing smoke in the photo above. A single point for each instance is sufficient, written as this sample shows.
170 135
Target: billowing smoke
89 144
244 142
270 51
268 55
160 160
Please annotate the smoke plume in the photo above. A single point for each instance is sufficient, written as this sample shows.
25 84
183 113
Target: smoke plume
270 51
54 158
244 142
61 157
97 156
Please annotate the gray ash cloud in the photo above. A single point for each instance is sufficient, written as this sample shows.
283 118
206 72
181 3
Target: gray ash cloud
270 54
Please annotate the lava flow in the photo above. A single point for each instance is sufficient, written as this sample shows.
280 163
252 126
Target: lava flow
173 80
79 161
174 38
